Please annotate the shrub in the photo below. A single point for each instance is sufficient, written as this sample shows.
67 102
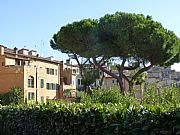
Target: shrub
88 118
166 98
101 96
157 114
14 96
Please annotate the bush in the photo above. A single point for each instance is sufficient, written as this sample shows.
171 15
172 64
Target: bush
87 119
103 113
14 96
166 98
101 96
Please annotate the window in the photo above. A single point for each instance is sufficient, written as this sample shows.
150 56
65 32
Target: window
30 95
47 70
42 99
47 86
112 81
50 71
79 81
55 71
31 82
51 86
18 62
42 83
74 71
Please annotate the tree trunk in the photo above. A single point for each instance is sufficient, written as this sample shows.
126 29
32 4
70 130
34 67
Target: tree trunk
131 87
121 85
120 69
101 81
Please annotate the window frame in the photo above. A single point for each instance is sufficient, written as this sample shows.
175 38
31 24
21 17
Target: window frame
31 96
42 83
30 81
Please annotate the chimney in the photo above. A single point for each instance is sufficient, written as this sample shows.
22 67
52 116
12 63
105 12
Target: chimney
1 50
15 50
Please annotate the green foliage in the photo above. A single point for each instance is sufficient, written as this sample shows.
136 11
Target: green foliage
14 96
88 118
76 38
132 38
90 76
67 93
166 98
104 96
154 114
137 37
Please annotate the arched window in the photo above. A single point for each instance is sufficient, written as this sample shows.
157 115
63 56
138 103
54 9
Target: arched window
31 82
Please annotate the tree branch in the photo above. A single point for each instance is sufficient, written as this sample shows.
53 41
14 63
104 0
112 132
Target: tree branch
123 62
101 60
141 71
132 67
126 78
80 66
103 69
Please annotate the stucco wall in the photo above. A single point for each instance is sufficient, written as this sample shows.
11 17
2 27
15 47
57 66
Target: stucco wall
41 67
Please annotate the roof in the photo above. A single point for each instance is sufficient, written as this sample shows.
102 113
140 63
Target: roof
11 53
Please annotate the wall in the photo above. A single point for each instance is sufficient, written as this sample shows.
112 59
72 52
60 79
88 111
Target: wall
11 76
108 83
41 67
2 60
9 61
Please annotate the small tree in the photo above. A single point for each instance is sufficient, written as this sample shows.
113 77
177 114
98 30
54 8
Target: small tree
14 96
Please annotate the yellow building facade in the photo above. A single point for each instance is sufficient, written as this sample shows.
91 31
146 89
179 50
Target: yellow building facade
39 77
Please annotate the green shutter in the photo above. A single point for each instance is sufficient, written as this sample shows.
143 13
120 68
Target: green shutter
42 83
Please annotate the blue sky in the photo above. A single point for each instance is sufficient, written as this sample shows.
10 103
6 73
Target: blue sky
32 23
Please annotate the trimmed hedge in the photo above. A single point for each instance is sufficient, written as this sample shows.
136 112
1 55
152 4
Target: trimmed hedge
87 119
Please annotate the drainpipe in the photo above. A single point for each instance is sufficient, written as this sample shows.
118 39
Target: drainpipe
36 84
61 80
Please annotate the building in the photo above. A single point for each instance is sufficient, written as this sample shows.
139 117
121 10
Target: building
110 82
165 77
39 77
71 79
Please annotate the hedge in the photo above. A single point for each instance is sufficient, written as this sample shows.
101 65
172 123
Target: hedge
87 119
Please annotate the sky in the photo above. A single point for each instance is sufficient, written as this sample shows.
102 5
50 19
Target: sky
31 23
